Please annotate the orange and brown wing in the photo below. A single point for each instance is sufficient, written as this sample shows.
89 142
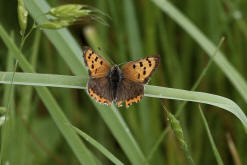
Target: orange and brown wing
129 92
97 66
140 70
100 90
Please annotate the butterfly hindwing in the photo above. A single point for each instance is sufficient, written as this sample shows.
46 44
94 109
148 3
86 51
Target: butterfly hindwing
129 92
140 70
97 66
100 90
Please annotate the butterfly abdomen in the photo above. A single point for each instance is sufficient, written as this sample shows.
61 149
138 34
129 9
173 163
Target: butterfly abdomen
114 79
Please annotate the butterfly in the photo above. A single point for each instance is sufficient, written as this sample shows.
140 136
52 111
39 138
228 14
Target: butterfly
111 84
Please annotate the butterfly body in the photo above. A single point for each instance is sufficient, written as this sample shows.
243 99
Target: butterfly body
108 84
115 77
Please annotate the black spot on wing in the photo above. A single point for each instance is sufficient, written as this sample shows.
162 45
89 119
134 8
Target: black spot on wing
149 62
89 56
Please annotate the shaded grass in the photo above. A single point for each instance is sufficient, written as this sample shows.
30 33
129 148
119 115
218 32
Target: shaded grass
178 131
238 81
216 152
101 148
64 42
181 106
8 100
60 119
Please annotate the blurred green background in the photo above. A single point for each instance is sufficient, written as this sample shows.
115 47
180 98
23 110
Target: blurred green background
137 28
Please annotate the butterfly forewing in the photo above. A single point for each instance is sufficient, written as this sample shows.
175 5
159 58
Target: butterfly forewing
140 70
97 66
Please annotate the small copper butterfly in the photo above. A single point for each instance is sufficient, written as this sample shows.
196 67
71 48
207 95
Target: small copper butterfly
108 84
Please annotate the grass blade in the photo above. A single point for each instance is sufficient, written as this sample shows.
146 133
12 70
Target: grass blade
201 97
97 145
150 91
7 114
49 80
216 152
132 30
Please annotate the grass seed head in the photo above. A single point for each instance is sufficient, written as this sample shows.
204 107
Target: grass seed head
57 23
177 129
22 16
78 12
70 10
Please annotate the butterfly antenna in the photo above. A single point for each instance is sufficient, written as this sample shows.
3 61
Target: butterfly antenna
99 20
121 63
96 10
104 53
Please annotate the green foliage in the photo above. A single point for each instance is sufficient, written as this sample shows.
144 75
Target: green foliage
38 130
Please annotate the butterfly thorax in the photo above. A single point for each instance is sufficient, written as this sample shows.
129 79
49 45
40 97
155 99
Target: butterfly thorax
115 77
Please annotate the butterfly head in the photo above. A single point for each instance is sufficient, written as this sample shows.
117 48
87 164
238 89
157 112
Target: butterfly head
115 73
115 68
